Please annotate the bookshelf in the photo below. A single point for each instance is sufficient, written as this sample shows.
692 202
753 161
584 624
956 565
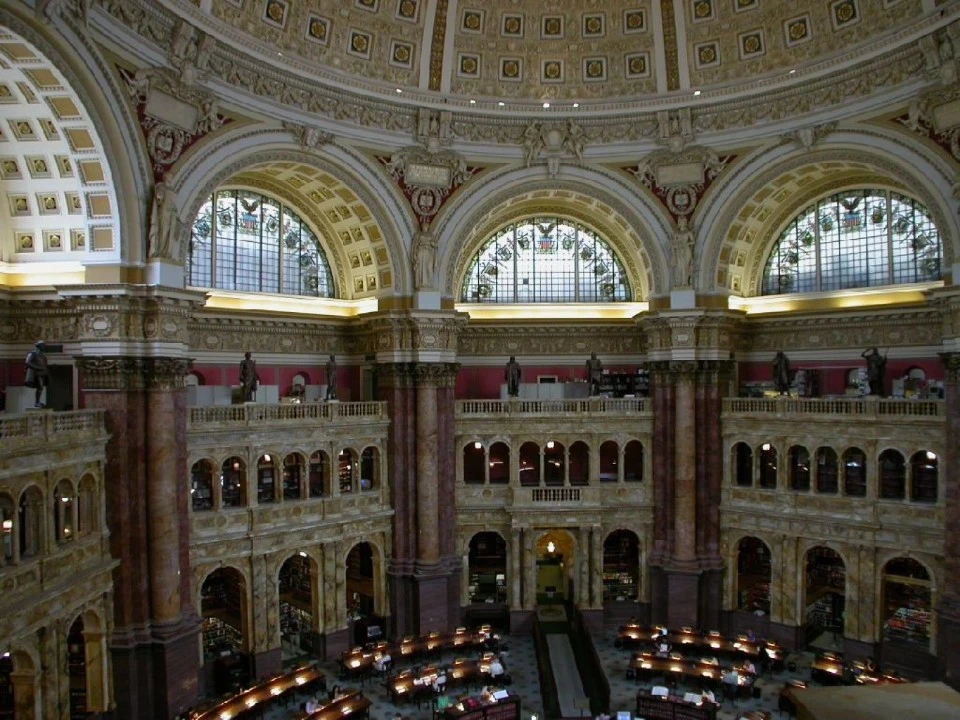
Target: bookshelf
621 384
488 568
621 574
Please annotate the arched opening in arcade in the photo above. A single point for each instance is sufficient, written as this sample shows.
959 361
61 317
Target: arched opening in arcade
907 592
364 566
754 571
19 690
556 565
298 583
825 576
621 567
474 464
86 669
487 562
223 612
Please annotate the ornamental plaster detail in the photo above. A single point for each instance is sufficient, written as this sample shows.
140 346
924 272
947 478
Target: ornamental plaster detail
679 179
921 118
621 339
218 334
809 135
427 178
554 143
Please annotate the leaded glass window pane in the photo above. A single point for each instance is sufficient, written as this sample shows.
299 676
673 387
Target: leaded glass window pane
242 240
545 259
857 238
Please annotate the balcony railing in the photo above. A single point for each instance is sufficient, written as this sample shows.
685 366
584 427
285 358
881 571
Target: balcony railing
555 495
863 407
50 426
257 414
602 406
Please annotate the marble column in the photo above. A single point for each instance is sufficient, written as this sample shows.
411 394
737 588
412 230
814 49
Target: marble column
428 540
516 570
685 466
530 571
583 581
596 567
948 608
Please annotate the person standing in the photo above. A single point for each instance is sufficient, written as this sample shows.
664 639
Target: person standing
38 374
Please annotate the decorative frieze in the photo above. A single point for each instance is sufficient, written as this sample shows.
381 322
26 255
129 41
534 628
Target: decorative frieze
132 373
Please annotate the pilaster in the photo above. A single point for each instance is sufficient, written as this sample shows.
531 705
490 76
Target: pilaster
948 608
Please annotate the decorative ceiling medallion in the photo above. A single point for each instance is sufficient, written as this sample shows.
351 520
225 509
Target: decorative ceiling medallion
275 13
637 65
401 54
407 10
38 166
9 169
74 204
594 25
6 94
19 205
468 66
594 69
22 130
359 44
511 69
368 5
49 129
551 71
24 242
702 10
634 21
472 22
750 44
511 26
318 29
48 204
551 27
64 166
78 239
53 240
844 13
741 5
707 54
797 30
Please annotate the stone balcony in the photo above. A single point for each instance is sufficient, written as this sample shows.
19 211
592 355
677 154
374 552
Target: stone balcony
584 407
867 408
41 439
258 415
552 499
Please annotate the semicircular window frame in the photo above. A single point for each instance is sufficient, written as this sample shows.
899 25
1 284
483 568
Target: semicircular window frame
576 265
283 255
856 238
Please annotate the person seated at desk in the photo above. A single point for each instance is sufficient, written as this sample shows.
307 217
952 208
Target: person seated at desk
496 668
440 683
751 638
749 667
382 663
310 706
663 649
870 666
707 696
731 678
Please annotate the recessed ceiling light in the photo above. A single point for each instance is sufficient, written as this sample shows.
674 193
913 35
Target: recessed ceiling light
576 105
696 92
399 91
546 105
473 102
280 54
792 72
500 103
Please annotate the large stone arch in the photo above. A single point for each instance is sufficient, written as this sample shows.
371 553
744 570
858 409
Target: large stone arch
636 228
737 227
267 159
115 141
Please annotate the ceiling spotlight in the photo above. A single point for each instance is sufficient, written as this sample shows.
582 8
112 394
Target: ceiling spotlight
473 102
501 103
696 92
576 105
399 91
792 72
546 105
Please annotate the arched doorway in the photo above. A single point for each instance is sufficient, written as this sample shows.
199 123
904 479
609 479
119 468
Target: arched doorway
556 562
621 567
753 575
7 698
362 600
77 670
223 610
488 568
297 588
907 594
824 597
474 464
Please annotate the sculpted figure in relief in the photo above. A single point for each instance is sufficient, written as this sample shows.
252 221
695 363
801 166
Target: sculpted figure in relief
532 143
424 258
682 254
163 240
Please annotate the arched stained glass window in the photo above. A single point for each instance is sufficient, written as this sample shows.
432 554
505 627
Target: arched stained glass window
857 238
545 259
245 241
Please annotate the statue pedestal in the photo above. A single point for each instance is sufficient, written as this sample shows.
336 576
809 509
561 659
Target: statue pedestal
332 400
164 272
426 300
683 299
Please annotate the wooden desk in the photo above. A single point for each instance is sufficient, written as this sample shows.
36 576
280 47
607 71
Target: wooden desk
414 686
477 708
359 660
827 670
351 704
786 701
280 688
711 643
650 707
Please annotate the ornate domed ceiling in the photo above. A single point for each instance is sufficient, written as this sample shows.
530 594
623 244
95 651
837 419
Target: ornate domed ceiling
563 50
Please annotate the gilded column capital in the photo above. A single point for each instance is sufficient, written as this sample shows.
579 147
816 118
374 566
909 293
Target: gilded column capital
166 373
395 375
436 374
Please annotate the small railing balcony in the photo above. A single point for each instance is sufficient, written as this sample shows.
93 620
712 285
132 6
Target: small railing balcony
40 428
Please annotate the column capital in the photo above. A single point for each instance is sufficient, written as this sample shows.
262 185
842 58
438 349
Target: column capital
132 373
436 374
